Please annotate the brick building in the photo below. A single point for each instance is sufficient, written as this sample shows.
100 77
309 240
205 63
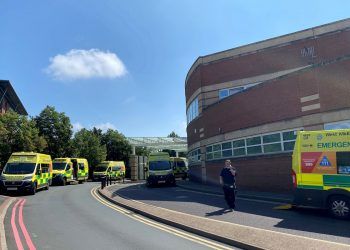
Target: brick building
246 103
9 99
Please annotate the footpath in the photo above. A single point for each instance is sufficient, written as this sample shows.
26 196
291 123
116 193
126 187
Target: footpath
241 236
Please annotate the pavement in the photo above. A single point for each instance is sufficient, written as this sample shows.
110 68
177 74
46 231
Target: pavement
71 217
254 223
266 196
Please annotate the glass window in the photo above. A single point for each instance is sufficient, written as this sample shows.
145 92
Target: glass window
192 111
272 138
239 151
337 125
288 146
290 135
254 150
226 145
217 154
227 153
209 149
253 141
270 148
210 156
238 143
236 90
343 162
217 147
223 93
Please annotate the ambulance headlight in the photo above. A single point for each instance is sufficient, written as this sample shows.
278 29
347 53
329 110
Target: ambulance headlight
28 178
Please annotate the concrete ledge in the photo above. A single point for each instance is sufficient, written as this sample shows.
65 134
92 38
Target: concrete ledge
233 234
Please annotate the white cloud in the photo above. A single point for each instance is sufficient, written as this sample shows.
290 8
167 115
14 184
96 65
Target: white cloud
105 126
77 126
84 64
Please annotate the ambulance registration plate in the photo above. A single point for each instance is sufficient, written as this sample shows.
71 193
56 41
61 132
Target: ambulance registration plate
11 188
161 182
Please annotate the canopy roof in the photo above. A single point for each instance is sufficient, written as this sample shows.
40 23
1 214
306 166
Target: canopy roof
172 143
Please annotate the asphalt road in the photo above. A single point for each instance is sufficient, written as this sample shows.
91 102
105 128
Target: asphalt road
71 218
309 223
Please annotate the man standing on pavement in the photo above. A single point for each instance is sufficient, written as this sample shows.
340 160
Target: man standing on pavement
228 182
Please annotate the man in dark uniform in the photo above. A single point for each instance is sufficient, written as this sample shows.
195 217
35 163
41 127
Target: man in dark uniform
228 182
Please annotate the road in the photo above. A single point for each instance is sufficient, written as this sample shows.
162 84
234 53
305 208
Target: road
70 217
309 223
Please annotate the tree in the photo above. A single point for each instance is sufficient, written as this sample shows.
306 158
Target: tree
56 128
118 148
87 145
18 133
143 151
173 135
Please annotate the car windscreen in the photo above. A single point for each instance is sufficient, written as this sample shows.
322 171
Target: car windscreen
59 165
101 168
115 168
159 165
19 168
181 164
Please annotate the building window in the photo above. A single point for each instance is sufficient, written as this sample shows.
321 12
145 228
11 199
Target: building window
337 125
223 93
194 156
260 144
192 111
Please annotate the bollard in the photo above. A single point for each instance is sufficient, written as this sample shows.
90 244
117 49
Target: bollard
103 182
110 180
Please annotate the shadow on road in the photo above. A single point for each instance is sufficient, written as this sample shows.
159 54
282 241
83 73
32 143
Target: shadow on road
206 205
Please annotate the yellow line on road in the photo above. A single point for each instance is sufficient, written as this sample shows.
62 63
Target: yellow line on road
157 225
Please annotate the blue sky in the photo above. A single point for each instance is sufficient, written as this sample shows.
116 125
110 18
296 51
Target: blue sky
139 51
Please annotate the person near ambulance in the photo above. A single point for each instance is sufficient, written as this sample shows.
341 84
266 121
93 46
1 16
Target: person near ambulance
228 182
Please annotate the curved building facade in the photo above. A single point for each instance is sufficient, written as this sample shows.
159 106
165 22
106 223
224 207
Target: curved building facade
246 103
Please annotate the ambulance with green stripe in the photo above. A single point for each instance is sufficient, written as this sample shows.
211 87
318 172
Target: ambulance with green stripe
62 171
180 167
159 169
321 171
27 171
111 169
117 170
80 169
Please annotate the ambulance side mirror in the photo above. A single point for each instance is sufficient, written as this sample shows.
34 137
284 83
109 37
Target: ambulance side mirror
145 169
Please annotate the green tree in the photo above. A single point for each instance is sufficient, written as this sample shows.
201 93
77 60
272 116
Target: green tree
18 133
88 145
143 151
118 148
56 128
173 135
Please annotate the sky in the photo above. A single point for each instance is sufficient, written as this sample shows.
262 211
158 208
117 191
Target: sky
122 64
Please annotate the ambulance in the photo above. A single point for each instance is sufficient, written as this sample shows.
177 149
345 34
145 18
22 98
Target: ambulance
62 171
321 171
27 171
159 170
117 170
180 167
104 169
80 169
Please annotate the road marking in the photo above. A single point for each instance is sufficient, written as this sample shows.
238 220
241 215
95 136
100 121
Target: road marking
157 225
239 225
14 227
24 229
3 209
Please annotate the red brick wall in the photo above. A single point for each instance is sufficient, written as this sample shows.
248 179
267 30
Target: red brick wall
269 60
263 173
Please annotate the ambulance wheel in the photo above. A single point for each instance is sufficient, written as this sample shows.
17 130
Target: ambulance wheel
47 186
33 189
339 206
80 182
64 181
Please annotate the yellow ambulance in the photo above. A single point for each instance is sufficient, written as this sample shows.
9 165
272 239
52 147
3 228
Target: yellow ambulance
80 169
159 169
180 167
27 171
117 170
62 171
321 171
